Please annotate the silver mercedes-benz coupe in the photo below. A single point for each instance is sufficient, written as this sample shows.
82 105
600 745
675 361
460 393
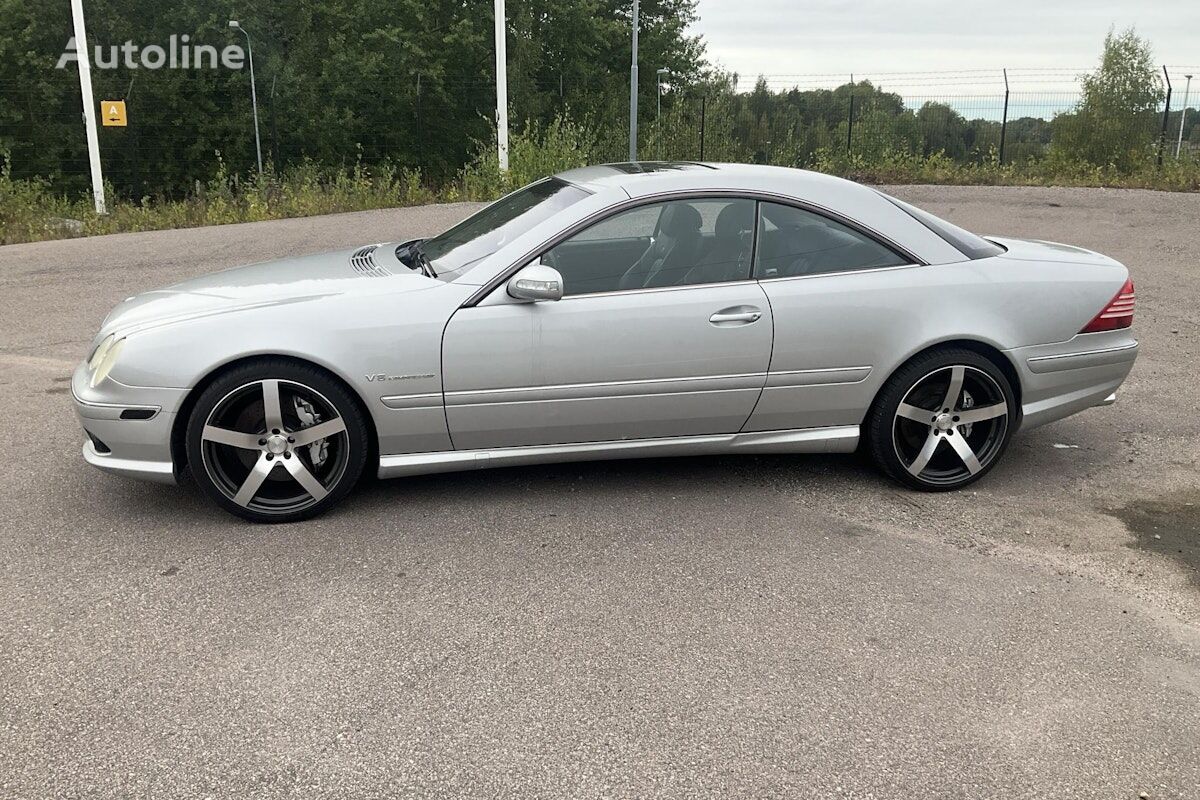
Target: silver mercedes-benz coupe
649 309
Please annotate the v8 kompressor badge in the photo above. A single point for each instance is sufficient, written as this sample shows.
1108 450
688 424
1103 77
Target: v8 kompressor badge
380 377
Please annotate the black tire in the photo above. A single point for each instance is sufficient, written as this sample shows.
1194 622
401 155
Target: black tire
235 457
924 453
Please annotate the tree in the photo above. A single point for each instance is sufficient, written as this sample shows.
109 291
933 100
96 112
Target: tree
410 82
1115 120
944 130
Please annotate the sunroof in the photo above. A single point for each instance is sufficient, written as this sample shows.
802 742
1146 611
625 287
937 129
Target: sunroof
640 167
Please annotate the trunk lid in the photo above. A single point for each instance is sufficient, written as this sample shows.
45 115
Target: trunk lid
1038 250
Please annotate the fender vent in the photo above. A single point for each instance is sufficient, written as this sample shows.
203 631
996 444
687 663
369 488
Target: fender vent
364 262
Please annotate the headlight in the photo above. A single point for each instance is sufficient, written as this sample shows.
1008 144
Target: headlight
105 361
99 352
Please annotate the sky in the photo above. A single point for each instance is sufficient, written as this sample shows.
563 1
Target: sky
1043 43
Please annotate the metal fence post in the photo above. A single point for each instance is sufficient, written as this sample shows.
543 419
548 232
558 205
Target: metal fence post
703 112
1162 135
274 125
1004 119
420 132
850 126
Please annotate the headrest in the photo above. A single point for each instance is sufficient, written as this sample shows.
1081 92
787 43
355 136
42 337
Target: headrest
734 219
679 219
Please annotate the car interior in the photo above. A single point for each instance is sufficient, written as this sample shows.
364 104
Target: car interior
689 242
794 242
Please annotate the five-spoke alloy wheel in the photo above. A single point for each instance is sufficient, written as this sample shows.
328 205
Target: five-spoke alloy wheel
276 441
943 420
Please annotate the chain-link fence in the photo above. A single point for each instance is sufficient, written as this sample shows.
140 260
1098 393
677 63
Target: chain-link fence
185 129
1006 117
181 134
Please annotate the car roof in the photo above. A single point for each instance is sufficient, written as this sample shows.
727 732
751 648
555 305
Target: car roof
648 177
602 176
859 203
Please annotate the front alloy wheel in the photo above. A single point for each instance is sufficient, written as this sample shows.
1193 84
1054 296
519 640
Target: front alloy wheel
276 444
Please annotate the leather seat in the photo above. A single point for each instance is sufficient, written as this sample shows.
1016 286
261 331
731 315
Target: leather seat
673 252
729 257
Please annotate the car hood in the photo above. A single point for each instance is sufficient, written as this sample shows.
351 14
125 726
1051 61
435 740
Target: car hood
371 269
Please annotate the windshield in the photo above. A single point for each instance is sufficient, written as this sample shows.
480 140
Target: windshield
965 242
484 233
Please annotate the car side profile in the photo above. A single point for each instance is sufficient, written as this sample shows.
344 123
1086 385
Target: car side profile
617 311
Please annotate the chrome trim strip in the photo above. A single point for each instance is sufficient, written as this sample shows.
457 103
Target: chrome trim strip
462 392
833 376
608 389
838 439
410 401
1082 360
593 397
655 289
838 273
1101 351
696 384
156 471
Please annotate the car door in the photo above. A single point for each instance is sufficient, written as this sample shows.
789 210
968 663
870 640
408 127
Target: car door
660 333
839 296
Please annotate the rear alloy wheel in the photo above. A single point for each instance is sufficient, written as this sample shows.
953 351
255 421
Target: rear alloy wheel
942 421
276 442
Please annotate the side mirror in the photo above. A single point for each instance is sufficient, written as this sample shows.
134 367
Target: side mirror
536 282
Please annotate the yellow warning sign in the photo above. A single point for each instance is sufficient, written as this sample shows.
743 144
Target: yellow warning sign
112 112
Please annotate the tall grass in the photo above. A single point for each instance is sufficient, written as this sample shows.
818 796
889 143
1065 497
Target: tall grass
31 211
1056 169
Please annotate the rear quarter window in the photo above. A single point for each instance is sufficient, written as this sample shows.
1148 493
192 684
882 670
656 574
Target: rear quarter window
793 242
965 242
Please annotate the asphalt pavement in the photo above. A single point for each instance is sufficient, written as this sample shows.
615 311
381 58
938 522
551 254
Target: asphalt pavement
735 626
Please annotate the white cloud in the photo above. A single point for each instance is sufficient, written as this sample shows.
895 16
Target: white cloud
811 37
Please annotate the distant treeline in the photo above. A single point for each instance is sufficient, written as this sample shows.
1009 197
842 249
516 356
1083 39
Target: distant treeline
346 84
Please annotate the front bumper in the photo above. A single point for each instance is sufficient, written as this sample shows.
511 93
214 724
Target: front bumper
156 471
128 428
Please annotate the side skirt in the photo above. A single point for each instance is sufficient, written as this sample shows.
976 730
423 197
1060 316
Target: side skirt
840 439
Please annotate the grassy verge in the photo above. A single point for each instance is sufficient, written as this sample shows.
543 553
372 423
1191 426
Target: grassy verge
30 211
1175 175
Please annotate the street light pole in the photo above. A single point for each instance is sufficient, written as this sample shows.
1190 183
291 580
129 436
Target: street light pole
89 105
501 87
633 89
233 23
658 115
1183 114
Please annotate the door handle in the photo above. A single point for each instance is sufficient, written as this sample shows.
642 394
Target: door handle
744 316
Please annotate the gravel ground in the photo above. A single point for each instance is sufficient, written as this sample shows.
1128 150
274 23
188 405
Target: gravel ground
754 626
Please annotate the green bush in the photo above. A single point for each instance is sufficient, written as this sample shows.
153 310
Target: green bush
31 211
532 154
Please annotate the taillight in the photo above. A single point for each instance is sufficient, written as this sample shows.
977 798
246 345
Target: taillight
1117 314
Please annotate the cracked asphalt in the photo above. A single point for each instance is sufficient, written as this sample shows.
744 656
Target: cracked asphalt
751 626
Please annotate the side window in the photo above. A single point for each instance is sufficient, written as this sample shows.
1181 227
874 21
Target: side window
677 243
794 242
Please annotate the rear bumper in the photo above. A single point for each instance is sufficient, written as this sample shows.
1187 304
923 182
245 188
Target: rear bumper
1067 377
137 447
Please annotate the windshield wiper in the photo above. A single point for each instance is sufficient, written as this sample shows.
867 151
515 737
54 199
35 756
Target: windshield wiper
412 255
423 260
